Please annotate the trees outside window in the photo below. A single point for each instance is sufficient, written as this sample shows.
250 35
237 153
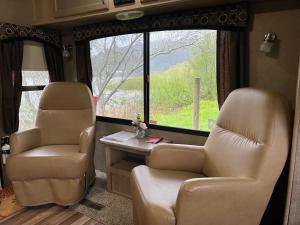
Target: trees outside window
158 72
116 60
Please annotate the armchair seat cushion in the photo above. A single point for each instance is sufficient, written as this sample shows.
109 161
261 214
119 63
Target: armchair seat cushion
156 193
52 161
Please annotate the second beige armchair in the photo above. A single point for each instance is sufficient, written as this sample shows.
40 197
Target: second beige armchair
228 181
54 162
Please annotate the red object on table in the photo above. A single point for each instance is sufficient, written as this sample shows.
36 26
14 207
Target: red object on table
153 140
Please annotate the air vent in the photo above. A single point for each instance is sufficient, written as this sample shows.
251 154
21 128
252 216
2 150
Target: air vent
130 15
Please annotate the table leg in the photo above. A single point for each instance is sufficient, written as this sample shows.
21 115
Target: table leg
108 165
112 156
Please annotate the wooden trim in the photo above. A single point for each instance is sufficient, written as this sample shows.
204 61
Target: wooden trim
292 215
69 10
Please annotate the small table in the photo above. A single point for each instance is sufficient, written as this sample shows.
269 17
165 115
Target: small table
119 163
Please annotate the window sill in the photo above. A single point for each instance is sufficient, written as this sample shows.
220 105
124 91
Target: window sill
154 127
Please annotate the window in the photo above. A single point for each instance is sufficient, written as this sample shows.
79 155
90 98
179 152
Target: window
167 76
34 78
183 91
117 64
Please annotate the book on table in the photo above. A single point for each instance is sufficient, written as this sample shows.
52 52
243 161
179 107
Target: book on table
121 136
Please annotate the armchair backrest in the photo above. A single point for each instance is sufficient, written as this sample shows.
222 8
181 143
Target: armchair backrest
251 136
65 109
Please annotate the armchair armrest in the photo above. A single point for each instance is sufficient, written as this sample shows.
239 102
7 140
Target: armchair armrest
25 140
177 157
87 139
220 200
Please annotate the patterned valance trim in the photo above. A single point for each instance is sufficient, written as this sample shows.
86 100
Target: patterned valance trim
223 17
12 31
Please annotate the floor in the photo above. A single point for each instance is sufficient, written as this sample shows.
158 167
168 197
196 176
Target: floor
98 208
50 215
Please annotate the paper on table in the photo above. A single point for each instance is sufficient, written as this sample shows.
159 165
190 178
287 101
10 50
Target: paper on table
121 136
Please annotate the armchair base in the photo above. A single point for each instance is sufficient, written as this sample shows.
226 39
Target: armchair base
43 191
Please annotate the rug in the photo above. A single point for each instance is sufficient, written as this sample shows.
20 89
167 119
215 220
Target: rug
8 203
112 209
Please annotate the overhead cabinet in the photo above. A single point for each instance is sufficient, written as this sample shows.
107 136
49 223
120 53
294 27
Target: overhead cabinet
69 13
64 8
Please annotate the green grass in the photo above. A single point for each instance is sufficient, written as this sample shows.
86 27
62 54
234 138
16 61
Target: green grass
184 117
170 88
171 97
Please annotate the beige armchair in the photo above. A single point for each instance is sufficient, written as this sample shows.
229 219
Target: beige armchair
54 162
228 181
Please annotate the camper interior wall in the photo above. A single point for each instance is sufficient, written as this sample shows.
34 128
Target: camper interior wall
103 128
276 71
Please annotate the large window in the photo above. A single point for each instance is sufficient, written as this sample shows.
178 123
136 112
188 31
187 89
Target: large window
167 76
34 78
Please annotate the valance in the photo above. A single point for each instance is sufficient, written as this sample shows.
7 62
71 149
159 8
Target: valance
229 17
13 31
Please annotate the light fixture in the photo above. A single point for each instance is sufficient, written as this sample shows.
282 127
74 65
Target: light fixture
66 51
130 15
268 43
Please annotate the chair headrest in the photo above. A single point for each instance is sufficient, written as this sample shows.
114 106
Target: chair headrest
252 113
66 96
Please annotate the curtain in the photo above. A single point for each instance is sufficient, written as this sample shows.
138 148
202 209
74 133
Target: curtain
225 17
11 56
83 63
9 31
54 62
231 60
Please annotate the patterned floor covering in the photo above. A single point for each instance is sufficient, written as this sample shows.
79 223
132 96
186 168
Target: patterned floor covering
8 203
116 210
98 208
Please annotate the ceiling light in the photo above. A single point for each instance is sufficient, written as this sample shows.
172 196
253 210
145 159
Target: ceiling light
130 15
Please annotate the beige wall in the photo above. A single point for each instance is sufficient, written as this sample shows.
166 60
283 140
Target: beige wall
276 71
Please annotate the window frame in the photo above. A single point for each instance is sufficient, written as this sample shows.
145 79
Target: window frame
32 88
146 76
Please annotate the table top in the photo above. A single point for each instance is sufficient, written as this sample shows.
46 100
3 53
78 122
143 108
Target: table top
131 142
